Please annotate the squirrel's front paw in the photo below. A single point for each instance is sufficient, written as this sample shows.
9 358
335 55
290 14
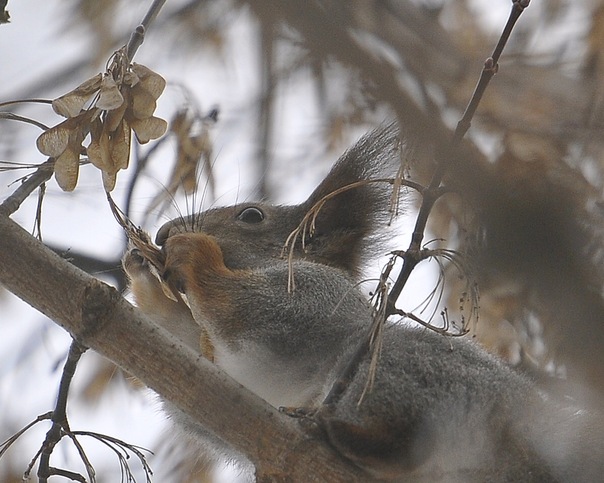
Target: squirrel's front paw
145 283
193 261
134 263
194 268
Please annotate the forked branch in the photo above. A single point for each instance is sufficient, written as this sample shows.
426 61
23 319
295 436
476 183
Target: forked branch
412 256
385 300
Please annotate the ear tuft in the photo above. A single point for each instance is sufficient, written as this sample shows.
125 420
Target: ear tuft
345 223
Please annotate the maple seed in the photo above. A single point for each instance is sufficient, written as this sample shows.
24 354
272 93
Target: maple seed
66 169
122 100
193 149
114 117
68 163
149 128
149 80
120 147
110 96
99 147
54 141
143 103
72 103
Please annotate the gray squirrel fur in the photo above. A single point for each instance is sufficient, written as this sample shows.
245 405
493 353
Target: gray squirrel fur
441 409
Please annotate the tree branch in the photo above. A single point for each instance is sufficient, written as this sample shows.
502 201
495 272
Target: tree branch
98 317
138 35
29 185
412 256
59 420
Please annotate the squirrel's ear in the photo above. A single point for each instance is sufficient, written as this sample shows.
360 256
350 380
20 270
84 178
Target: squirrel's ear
346 220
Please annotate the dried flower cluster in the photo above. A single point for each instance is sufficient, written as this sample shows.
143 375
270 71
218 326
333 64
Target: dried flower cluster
120 101
193 153
193 146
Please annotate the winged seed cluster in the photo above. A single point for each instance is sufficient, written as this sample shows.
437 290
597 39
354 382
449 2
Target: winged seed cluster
121 100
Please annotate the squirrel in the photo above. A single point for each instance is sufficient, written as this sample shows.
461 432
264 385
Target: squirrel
439 409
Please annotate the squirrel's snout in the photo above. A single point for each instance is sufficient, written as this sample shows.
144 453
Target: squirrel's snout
163 233
170 229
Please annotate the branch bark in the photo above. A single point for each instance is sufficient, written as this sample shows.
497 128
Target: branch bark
97 316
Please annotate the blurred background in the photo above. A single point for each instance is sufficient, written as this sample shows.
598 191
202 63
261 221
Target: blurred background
261 98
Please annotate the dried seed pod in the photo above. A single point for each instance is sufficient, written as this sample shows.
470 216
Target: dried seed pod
99 149
68 163
151 81
143 104
120 146
109 180
55 140
67 169
110 96
149 251
72 103
114 117
149 128
126 101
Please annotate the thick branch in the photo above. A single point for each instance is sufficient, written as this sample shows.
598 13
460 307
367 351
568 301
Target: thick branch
98 317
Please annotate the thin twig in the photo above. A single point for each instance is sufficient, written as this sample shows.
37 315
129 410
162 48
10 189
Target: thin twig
29 185
60 428
414 254
432 193
138 36
15 117
5 445
38 220
59 415
121 449
25 101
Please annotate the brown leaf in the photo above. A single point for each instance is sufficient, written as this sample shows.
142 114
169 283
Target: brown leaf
70 104
149 128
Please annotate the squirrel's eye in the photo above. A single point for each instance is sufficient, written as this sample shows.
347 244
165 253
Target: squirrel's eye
251 215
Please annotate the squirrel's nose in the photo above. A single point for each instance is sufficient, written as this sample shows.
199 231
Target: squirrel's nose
171 228
163 233
178 225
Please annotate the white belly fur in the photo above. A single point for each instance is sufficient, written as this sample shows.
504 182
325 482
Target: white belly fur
274 381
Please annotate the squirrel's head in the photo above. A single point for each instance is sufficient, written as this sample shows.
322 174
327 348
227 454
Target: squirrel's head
254 234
